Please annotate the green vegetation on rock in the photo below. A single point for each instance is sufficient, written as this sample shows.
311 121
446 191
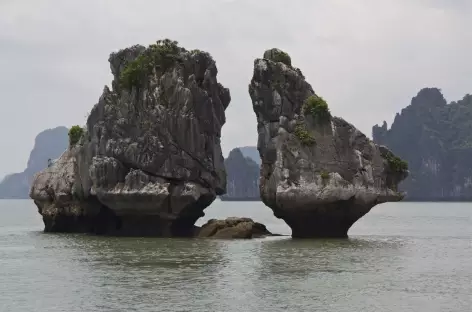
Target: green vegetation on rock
317 107
325 175
396 164
303 135
75 133
281 56
161 56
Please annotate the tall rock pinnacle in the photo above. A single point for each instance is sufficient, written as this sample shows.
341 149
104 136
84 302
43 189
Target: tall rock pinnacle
319 173
149 160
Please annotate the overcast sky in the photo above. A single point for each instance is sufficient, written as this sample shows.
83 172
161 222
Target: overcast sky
367 58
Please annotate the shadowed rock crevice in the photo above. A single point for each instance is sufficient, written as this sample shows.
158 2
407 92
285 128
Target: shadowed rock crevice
149 160
319 173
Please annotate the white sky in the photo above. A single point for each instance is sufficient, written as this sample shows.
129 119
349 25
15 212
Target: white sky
367 58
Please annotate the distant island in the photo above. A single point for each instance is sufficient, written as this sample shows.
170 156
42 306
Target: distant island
49 144
252 153
242 182
435 138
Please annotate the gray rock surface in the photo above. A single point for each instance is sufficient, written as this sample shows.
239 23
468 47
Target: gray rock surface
49 144
233 227
149 161
318 189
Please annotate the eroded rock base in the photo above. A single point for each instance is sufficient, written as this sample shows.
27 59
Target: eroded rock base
105 222
324 221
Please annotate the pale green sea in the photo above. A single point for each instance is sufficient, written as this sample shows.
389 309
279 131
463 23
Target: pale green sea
400 257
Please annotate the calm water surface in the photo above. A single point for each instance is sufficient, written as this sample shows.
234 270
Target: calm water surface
400 257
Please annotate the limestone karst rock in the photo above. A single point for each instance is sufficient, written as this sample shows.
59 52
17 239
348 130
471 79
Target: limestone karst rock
319 173
233 227
149 160
435 137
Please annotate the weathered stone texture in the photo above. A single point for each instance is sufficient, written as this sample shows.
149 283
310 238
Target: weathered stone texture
319 189
233 227
150 159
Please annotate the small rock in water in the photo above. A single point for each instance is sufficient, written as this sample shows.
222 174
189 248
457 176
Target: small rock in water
233 227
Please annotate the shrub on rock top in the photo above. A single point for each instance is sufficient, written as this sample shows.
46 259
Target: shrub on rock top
160 56
277 55
75 133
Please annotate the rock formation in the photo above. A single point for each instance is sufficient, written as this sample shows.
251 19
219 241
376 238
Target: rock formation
436 140
233 228
319 173
49 144
251 152
242 177
149 160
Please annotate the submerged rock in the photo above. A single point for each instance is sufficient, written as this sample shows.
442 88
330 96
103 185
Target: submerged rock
233 228
149 160
319 173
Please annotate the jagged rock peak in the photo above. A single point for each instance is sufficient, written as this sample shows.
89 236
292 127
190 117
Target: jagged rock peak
379 132
432 97
319 173
149 161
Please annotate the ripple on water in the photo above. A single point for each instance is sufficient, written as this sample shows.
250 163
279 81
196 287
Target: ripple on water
414 263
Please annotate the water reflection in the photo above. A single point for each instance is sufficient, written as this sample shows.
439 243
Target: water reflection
151 272
320 272
412 263
302 258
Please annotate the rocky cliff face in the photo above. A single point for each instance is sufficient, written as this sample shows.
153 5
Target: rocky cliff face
436 140
149 161
243 177
319 173
49 144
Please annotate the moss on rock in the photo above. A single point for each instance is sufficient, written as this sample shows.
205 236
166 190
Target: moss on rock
160 56
324 175
396 164
277 55
75 133
303 135
317 107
